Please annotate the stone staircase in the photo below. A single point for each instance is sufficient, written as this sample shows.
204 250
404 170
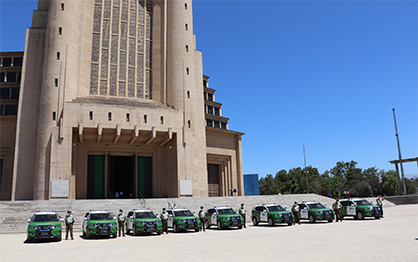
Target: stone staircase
13 214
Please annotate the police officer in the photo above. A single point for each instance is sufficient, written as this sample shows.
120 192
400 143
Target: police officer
336 206
121 222
69 221
295 212
202 217
242 212
379 202
164 219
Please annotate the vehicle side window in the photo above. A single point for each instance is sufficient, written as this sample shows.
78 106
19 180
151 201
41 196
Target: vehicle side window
351 203
211 211
302 206
344 203
259 208
170 212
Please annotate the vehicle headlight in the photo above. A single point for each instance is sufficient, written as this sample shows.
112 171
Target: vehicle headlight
32 227
56 226
182 220
140 223
226 218
93 225
369 208
112 224
318 212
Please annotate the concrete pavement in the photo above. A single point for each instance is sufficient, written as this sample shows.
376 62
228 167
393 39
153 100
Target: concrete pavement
393 238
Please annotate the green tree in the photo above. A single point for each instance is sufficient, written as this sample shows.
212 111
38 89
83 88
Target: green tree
372 177
361 189
389 183
267 186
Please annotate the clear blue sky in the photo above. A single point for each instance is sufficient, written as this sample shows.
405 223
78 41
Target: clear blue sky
324 74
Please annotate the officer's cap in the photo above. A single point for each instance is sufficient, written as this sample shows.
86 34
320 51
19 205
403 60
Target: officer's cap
120 210
68 211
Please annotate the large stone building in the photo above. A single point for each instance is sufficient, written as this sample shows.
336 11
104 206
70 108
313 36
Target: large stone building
114 104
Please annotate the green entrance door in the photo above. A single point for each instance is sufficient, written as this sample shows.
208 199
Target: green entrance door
95 177
144 173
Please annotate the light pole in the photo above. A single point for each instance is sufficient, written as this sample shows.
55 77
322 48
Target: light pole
399 151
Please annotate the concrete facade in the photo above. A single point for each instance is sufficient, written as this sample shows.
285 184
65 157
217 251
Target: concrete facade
112 101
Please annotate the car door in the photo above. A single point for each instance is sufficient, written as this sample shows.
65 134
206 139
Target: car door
263 214
85 222
351 208
303 211
344 207
170 218
130 220
213 216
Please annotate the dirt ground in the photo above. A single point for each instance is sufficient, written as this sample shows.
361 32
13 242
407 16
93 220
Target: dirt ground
393 238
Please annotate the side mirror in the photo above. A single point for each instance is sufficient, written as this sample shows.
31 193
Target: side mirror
114 218
194 213
61 219
85 218
325 205
156 214
28 220
285 208
352 205
131 217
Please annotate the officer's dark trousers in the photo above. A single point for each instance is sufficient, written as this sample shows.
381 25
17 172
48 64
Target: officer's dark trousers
121 227
69 228
165 227
202 224
338 215
296 215
244 216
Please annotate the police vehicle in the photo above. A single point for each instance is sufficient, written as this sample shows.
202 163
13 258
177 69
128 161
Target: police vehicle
143 221
359 208
45 225
99 223
272 214
314 211
180 218
223 217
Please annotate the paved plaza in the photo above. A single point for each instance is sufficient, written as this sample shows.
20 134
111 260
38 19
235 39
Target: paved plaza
393 238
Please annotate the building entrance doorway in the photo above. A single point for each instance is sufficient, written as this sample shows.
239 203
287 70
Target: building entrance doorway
213 180
121 177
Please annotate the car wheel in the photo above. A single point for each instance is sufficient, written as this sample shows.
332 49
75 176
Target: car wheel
255 223
128 231
196 229
219 225
207 224
329 221
377 217
311 219
159 232
360 215
289 224
59 238
84 233
271 222
175 228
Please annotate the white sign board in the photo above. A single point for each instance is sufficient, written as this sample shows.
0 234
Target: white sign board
304 213
60 188
351 210
263 216
186 187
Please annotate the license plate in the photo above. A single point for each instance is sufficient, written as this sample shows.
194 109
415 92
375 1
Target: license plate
44 234
103 231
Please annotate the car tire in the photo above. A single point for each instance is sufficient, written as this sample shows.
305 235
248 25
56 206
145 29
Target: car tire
84 233
159 232
219 225
329 221
377 217
289 224
59 238
255 223
127 230
175 229
207 224
271 222
311 219
196 229
360 215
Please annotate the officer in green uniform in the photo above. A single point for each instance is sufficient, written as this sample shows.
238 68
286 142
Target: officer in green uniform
164 219
202 217
121 222
336 206
379 202
242 212
295 212
69 221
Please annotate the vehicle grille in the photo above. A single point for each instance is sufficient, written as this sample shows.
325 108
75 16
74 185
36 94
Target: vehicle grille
235 218
190 221
45 227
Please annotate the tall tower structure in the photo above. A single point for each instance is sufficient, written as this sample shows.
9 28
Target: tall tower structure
112 104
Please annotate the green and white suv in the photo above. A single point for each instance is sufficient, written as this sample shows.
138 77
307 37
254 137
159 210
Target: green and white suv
223 217
272 214
44 225
143 221
359 208
181 218
99 223
314 211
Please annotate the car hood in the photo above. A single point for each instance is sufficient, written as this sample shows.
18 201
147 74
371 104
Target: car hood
146 219
320 209
44 223
186 217
102 221
280 212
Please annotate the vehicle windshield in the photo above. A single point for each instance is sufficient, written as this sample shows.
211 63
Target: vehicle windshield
276 208
44 218
144 215
183 213
100 216
362 202
316 205
226 211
